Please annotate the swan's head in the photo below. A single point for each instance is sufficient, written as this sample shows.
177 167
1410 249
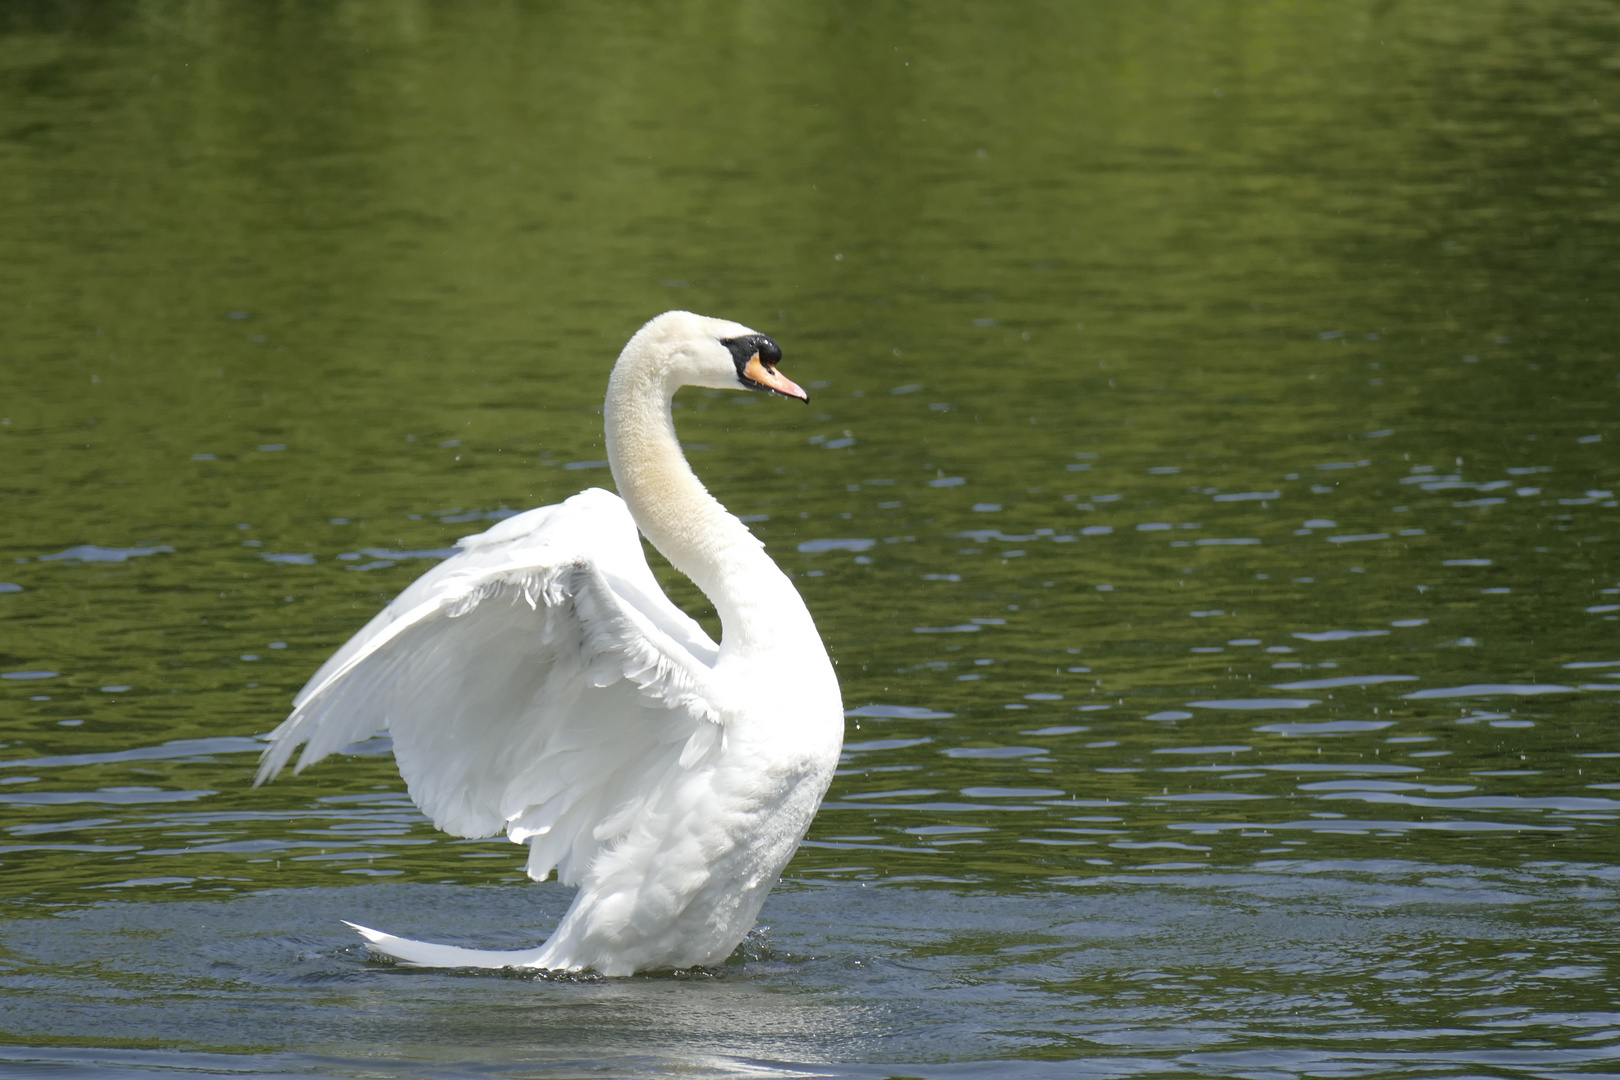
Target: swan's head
692 350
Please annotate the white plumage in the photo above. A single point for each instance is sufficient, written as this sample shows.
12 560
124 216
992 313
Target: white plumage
540 683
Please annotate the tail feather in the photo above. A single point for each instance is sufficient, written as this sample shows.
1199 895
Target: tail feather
427 954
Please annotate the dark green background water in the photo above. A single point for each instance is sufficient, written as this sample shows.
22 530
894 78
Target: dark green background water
1164 356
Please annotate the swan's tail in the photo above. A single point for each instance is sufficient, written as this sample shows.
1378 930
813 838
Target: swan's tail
427 954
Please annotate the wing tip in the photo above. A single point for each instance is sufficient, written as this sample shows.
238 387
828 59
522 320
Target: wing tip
271 761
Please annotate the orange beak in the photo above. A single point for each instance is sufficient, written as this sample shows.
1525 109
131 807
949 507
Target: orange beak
773 380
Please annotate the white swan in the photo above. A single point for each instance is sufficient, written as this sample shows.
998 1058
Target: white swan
540 683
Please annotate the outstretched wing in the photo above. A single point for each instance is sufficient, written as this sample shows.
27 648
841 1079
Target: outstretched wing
538 682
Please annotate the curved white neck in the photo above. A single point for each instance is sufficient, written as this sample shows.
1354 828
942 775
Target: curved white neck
758 606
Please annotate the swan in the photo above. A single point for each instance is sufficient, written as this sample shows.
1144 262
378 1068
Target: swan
540 683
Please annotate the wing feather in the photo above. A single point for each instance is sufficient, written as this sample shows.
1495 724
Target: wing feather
538 682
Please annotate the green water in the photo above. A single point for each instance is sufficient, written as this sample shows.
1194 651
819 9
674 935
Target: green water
1163 357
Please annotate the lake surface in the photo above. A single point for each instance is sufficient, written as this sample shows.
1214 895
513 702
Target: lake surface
1208 494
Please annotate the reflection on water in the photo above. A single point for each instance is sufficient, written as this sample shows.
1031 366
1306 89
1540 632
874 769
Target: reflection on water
1206 495
1291 965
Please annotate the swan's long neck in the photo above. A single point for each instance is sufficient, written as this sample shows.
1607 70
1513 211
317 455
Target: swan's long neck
758 606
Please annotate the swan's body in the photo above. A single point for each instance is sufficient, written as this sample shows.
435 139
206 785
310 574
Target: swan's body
540 683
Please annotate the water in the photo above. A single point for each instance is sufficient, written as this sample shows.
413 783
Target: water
1208 495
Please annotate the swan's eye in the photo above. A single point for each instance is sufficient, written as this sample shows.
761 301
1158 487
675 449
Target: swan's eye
756 357
752 349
